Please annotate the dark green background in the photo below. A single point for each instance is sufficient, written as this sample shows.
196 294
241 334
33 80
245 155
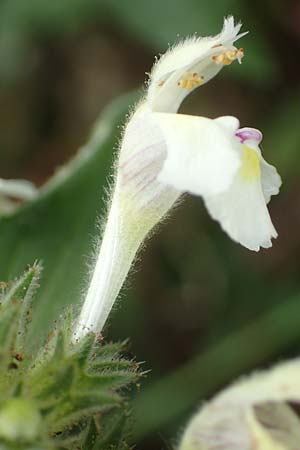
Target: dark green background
200 310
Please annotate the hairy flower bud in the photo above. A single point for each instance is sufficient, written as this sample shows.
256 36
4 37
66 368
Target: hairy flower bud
252 414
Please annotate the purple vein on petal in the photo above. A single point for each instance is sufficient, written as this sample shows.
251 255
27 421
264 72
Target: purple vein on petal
132 158
127 177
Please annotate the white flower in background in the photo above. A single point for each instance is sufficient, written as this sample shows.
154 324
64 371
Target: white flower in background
164 154
253 414
15 189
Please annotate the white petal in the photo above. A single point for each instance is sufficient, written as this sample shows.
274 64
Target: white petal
229 123
243 214
270 180
202 154
142 154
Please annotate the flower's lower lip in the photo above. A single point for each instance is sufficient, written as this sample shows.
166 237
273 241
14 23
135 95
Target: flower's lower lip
249 134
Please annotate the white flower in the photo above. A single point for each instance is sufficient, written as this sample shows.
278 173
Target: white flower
253 414
17 189
164 154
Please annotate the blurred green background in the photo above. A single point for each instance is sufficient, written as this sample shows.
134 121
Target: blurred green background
200 310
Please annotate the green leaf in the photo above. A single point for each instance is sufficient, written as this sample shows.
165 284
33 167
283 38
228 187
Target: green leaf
57 227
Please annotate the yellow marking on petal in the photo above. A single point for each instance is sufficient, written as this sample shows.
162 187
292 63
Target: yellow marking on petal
250 166
229 56
190 81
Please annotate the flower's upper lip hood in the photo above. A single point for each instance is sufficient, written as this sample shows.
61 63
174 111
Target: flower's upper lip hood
189 64
189 51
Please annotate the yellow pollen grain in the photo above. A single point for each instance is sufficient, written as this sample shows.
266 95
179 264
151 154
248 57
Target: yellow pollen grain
228 57
250 166
190 81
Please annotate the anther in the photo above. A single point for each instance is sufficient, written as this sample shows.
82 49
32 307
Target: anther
229 56
190 81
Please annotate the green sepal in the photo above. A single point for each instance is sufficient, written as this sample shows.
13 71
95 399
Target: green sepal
83 349
116 430
73 392
15 314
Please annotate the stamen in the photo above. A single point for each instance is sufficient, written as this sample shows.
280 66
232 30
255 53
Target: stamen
229 56
190 81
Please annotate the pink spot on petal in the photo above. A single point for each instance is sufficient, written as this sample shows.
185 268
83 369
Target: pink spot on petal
249 134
